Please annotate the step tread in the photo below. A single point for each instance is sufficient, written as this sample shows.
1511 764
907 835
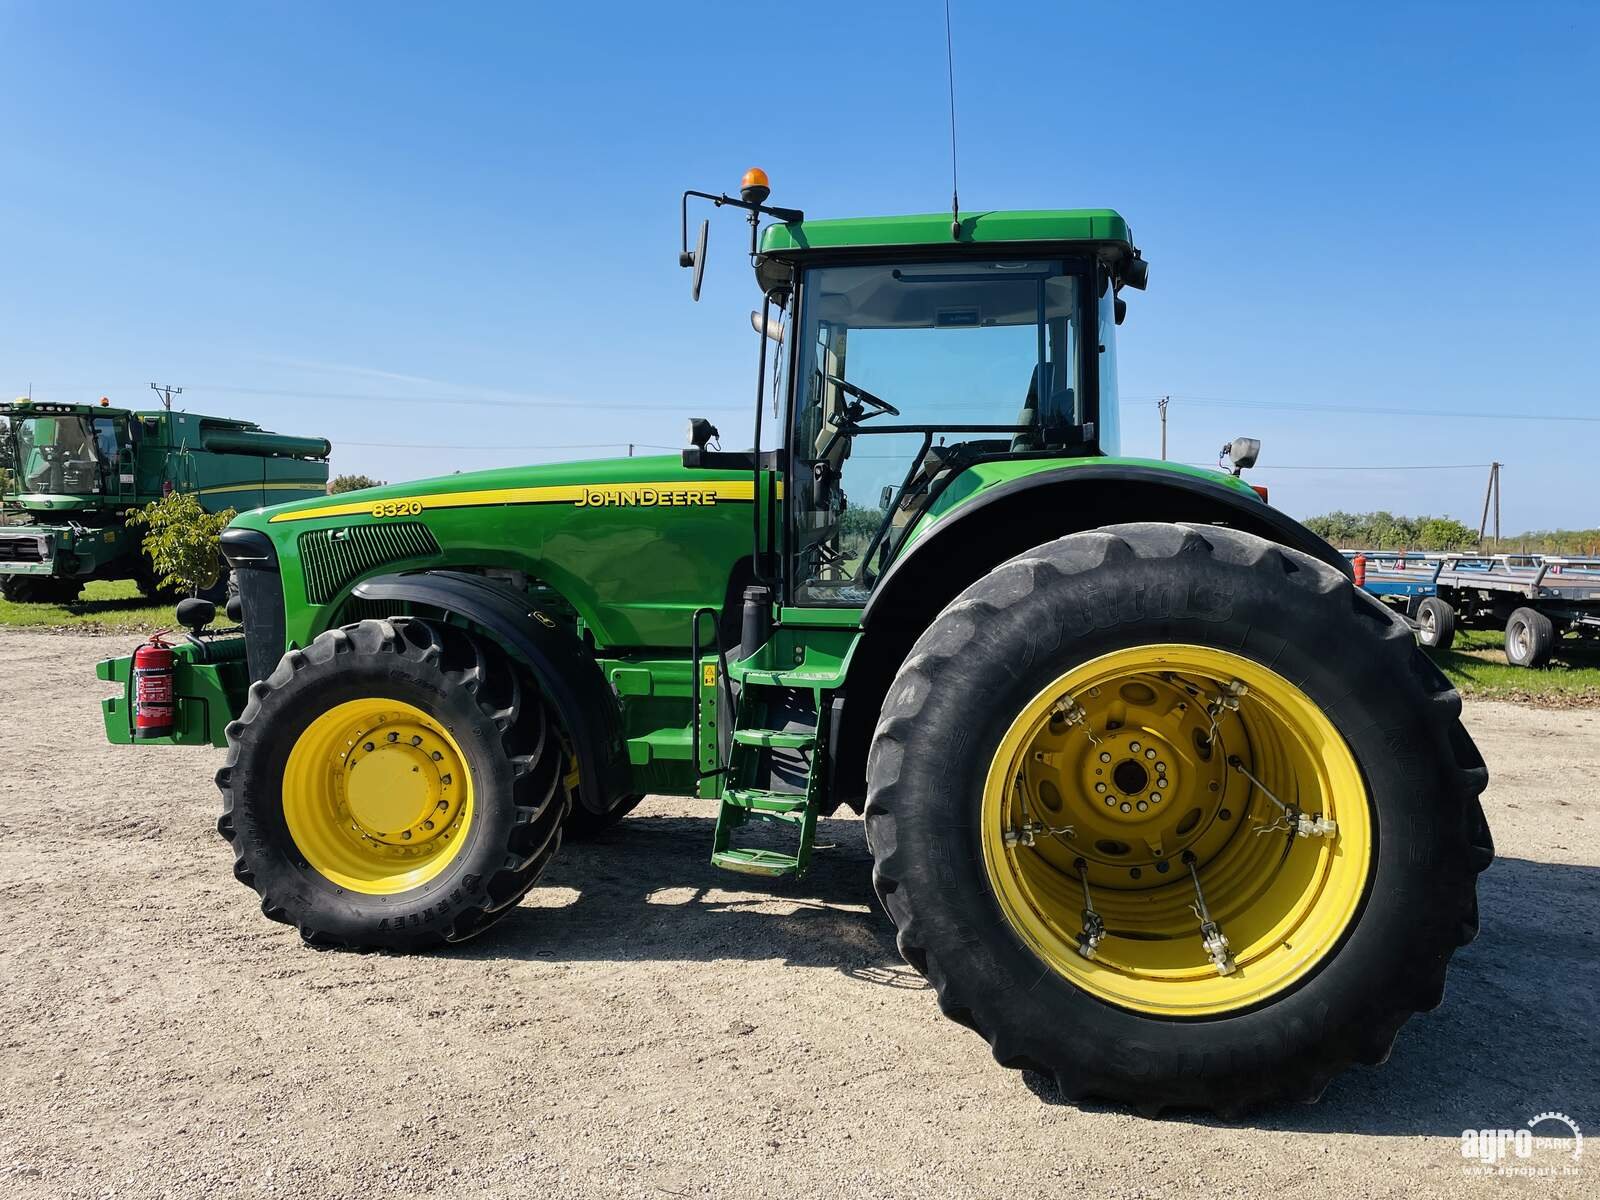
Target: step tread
775 739
763 800
755 862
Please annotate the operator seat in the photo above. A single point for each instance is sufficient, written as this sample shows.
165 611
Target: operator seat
1057 411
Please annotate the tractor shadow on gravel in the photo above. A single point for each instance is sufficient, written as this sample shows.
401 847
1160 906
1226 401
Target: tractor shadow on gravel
647 890
1513 1038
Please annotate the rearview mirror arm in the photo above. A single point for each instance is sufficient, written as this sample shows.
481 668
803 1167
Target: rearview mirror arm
786 215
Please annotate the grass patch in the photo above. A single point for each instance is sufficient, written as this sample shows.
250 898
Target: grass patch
106 606
1477 665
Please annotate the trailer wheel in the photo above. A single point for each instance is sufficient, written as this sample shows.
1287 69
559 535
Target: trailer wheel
396 784
40 589
1043 851
1530 638
1436 623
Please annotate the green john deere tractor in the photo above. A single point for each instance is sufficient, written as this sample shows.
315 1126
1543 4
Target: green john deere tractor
1160 803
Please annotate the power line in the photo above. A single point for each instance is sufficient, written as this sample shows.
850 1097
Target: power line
1368 467
440 401
1343 410
552 446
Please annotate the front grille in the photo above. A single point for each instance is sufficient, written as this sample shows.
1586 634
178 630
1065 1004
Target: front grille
255 570
28 549
332 558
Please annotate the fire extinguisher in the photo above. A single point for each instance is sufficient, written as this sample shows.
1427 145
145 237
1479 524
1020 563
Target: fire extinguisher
1360 565
154 705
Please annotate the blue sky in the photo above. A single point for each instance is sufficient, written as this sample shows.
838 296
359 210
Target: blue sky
355 219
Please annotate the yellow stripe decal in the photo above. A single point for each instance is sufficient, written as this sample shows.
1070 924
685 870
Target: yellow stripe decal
674 493
307 485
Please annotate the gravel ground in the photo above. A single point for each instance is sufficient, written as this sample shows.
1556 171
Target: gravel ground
645 1025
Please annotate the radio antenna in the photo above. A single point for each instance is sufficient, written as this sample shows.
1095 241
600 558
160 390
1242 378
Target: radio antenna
950 68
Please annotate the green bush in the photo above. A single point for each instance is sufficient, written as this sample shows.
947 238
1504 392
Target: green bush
182 540
352 483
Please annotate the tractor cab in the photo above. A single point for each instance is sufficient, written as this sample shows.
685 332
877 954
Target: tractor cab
907 372
905 350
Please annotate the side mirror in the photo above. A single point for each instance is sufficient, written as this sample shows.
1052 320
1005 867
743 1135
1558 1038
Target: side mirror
696 258
886 498
1120 307
1136 272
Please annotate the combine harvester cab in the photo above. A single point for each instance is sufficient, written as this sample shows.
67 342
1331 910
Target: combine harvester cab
1163 805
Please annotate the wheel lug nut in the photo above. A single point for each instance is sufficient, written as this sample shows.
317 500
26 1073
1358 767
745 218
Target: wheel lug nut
1149 753
436 756
1126 807
427 824
1099 787
394 737
1110 800
1142 806
1133 746
406 836
415 740
1104 756
369 747
1155 797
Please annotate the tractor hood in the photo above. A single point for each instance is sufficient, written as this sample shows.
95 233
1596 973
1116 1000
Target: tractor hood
653 482
633 545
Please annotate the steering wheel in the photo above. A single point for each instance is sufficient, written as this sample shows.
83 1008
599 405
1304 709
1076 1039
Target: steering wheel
861 394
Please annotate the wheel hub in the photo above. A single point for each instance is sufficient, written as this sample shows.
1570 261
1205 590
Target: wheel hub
396 785
377 795
1125 850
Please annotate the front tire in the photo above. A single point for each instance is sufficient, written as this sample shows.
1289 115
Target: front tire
397 784
979 816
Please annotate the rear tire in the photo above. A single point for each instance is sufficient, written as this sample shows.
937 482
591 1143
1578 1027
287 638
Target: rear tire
1090 598
1436 623
1530 638
448 718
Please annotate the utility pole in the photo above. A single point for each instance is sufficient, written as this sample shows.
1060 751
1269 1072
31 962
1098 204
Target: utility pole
1491 492
1161 405
1497 505
166 392
630 449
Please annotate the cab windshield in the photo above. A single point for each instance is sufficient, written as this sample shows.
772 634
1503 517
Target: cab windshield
907 374
57 455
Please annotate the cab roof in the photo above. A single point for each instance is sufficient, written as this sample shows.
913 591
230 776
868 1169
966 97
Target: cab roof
1095 225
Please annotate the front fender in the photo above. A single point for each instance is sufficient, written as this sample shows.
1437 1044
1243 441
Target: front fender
559 661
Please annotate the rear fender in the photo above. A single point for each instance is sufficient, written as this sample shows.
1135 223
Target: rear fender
1001 522
560 662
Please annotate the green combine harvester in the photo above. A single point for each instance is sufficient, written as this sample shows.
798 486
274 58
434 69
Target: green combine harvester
72 471
1160 803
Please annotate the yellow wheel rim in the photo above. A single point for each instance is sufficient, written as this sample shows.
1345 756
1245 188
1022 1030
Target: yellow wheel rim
377 796
1130 767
